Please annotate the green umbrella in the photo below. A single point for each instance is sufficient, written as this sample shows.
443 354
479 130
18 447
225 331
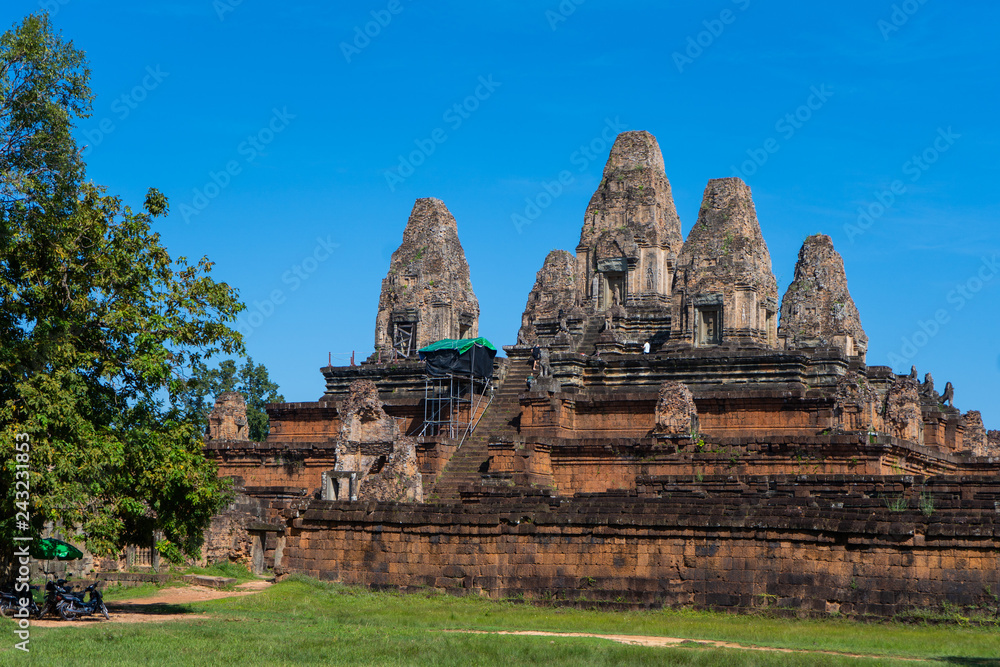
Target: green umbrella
52 549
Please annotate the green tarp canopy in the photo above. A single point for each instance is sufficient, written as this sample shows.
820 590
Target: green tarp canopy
468 356
461 346
53 549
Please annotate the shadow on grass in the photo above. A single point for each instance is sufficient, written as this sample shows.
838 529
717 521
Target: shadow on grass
970 662
149 609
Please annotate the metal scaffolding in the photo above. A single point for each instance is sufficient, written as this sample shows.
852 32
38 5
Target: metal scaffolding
451 403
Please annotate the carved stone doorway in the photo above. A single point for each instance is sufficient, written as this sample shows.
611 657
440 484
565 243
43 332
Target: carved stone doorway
613 280
709 326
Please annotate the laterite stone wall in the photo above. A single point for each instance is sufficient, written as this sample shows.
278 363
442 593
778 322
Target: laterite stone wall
848 554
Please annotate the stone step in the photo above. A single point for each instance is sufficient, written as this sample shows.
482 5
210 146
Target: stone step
465 464
211 582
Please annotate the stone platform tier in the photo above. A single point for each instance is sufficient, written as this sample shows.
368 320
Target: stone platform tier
573 466
760 411
579 331
721 367
390 377
854 545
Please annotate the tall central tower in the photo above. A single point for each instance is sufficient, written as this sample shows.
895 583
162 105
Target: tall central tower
631 233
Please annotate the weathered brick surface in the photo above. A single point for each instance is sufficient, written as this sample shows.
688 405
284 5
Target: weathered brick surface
725 265
228 420
299 464
555 294
974 437
744 545
817 309
427 292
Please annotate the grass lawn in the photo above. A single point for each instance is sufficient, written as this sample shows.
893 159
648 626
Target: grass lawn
307 622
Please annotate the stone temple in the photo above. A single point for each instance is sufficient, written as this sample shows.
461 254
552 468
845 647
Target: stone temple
817 310
686 437
427 294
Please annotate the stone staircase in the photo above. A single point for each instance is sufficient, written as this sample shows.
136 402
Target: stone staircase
469 462
590 333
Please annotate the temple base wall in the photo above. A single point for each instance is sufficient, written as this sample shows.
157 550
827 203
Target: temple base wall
808 553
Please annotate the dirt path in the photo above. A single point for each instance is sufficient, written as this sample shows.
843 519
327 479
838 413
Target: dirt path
164 605
638 640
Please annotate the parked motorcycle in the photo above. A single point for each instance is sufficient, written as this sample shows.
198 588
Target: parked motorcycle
69 605
10 601
52 598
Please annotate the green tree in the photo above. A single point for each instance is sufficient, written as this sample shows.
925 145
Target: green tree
251 380
99 327
203 385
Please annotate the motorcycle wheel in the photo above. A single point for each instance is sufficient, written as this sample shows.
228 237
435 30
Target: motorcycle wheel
104 610
7 610
66 612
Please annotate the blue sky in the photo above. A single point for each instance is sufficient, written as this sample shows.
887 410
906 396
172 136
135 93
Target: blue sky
272 130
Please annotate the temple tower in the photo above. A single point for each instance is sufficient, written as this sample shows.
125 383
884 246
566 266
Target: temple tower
427 294
621 274
631 233
817 309
554 299
723 289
